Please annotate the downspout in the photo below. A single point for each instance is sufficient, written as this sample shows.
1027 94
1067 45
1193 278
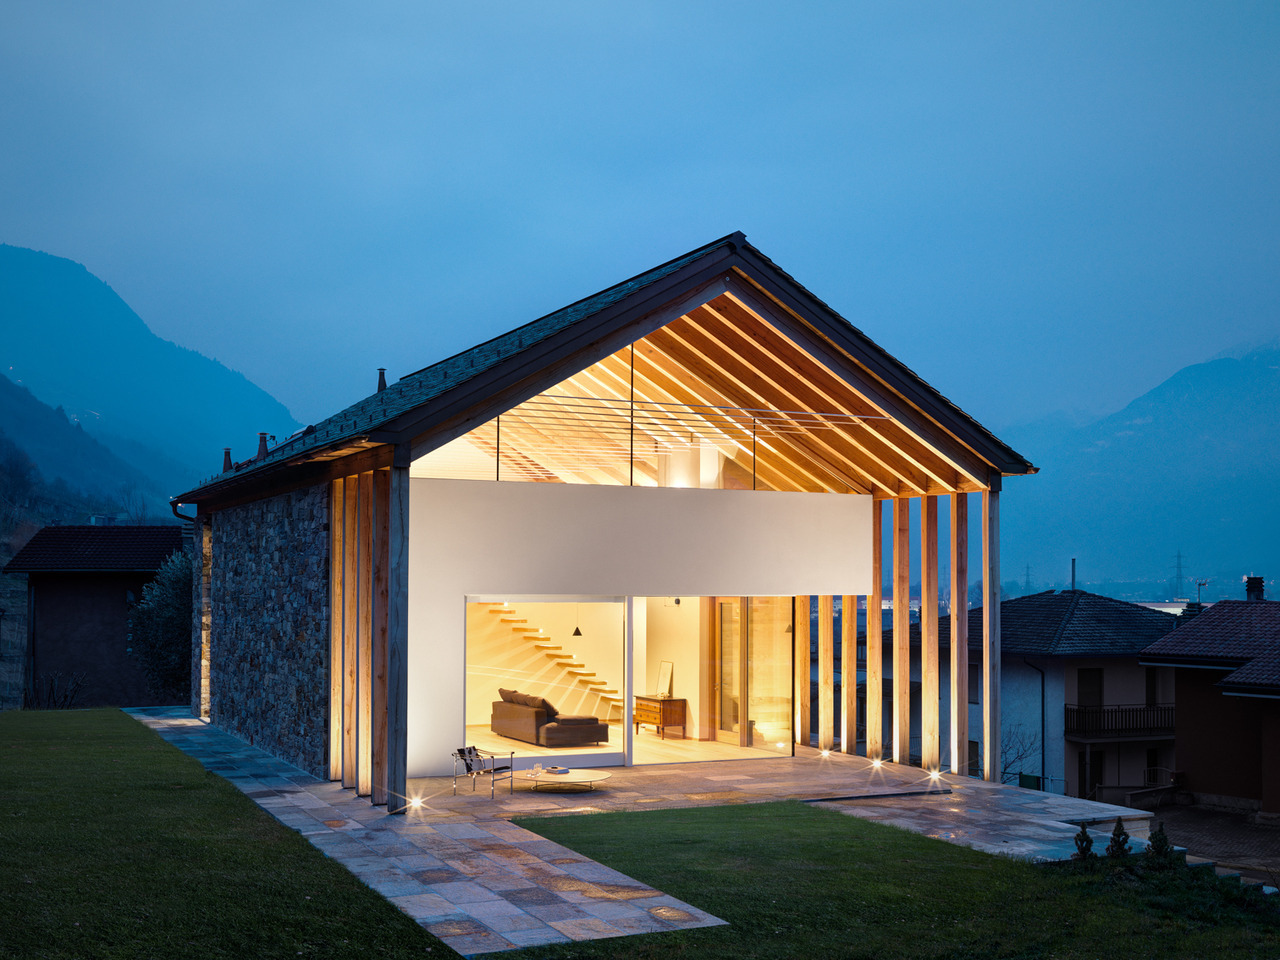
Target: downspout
173 505
1044 746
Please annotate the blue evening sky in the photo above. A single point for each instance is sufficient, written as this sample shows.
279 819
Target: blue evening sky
1036 206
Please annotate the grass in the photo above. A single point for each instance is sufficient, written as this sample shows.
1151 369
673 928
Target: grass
113 844
795 881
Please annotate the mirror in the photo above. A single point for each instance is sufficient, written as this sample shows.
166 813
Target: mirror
664 679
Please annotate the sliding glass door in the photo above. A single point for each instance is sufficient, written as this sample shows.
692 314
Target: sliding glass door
751 675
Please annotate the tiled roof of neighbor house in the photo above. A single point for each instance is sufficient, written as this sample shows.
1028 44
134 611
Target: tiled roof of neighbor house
1232 633
416 390
82 549
1068 623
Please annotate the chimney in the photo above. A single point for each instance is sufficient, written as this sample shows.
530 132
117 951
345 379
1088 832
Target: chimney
382 379
262 446
1253 588
1073 573
226 460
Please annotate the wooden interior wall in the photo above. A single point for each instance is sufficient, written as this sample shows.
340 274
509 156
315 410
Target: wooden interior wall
849 674
358 668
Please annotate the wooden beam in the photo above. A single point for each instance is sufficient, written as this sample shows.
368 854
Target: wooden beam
901 630
991 631
849 673
398 637
803 670
875 638
336 501
364 655
350 629
930 701
381 574
826 673
959 633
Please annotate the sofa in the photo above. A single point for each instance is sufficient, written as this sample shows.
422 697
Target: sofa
524 716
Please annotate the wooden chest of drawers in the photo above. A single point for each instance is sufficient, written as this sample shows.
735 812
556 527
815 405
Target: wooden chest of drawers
661 713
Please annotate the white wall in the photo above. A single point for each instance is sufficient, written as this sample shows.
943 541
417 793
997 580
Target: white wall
470 538
674 633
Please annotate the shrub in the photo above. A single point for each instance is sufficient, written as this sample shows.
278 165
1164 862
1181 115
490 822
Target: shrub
160 624
1119 845
1084 845
1159 849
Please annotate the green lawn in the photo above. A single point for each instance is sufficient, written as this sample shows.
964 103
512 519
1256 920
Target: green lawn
794 881
115 844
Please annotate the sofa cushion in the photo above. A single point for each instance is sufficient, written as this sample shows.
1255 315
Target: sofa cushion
541 703
565 720
506 695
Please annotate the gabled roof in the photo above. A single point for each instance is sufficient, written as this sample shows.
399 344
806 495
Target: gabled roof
1238 635
1068 623
440 402
85 549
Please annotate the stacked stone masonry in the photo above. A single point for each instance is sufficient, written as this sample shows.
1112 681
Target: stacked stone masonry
269 643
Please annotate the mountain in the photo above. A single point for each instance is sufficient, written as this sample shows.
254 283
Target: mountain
62 450
1189 467
69 339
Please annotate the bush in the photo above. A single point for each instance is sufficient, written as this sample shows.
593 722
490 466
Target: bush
1159 849
161 630
1119 845
1084 845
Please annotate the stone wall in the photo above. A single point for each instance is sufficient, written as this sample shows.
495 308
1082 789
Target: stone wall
269 644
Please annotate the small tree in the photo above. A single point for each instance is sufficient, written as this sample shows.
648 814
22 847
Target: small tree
1119 845
161 630
1084 845
1159 849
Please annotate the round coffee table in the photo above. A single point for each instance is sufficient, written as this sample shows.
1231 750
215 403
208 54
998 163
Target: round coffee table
573 778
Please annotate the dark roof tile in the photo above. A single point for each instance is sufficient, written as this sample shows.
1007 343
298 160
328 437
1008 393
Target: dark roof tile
75 549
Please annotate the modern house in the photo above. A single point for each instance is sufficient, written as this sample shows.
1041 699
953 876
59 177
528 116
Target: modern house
81 581
612 511
1226 664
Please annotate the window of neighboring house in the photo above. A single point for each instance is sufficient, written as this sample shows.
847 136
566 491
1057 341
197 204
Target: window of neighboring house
1153 764
1153 688
975 683
1089 687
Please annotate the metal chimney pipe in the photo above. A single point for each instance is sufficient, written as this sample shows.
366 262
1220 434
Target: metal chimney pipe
226 460
382 379
1073 573
1253 588
262 446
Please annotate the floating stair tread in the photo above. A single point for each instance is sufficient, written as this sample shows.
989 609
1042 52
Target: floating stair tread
583 673
559 656
548 646
513 620
527 629
592 683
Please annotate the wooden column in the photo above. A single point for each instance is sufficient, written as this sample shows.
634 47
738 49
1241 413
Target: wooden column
826 673
337 501
803 670
959 633
849 674
364 639
875 637
991 630
398 632
350 629
930 701
381 492
901 630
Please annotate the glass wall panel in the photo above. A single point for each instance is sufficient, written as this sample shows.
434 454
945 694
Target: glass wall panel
769 672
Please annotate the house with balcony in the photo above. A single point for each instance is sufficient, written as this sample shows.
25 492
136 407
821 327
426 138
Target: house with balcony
1079 714
1226 666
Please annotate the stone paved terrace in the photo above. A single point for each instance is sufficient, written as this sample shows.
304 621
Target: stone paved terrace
482 884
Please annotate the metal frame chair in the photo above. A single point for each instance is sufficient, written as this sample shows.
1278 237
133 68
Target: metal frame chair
481 763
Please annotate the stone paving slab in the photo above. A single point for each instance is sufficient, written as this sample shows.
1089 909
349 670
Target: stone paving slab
461 869
465 880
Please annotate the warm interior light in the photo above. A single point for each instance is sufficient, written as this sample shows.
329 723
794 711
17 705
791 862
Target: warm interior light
415 801
780 745
876 762
935 775
826 753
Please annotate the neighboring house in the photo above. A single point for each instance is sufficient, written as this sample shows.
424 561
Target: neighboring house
1079 715
81 581
635 492
1226 663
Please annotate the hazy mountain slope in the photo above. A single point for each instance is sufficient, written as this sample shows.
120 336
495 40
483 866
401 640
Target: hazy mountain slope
1191 465
67 336
61 450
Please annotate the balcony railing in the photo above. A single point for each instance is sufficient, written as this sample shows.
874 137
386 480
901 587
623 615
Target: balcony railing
1121 720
